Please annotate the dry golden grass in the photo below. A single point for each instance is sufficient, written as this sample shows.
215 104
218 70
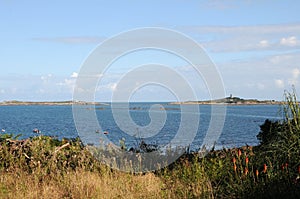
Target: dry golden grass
43 167
80 184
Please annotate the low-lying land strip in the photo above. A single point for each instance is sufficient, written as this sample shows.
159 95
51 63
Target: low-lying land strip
228 101
49 103
231 101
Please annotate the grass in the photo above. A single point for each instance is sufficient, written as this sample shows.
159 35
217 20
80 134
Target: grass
79 184
43 167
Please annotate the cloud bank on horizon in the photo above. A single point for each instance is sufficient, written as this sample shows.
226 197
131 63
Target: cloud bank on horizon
254 44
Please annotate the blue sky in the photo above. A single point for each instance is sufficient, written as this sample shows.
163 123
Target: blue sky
255 44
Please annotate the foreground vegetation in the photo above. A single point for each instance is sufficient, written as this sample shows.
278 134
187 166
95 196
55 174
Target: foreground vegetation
43 167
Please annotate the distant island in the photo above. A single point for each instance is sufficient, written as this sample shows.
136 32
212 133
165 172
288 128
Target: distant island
49 103
228 101
231 101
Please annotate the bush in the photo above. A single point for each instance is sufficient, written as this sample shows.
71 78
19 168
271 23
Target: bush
270 132
280 140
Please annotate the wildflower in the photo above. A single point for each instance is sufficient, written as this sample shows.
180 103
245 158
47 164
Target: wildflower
239 152
234 160
246 171
234 168
286 165
186 163
282 167
265 168
256 173
247 161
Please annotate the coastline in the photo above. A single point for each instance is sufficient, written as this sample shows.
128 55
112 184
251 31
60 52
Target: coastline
230 101
227 104
212 102
47 103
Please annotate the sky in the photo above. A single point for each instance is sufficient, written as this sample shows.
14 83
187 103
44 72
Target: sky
255 45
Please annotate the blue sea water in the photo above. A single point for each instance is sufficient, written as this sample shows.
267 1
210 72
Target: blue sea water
241 122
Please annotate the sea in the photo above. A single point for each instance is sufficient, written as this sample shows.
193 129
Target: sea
154 123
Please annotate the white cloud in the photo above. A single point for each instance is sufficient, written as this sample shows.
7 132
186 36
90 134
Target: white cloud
107 87
294 79
113 86
264 43
46 78
74 75
289 41
67 82
36 87
291 79
279 83
247 38
281 59
265 77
